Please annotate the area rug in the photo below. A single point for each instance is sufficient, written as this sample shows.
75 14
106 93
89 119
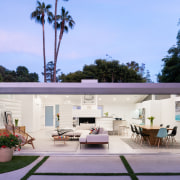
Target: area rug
50 146
134 145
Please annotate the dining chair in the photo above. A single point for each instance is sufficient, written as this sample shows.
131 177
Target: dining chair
167 127
143 136
173 134
162 134
133 131
137 133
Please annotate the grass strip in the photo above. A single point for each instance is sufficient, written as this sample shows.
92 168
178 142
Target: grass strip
83 174
16 163
31 172
128 168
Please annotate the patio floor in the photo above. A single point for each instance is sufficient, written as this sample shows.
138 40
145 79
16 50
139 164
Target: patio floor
44 145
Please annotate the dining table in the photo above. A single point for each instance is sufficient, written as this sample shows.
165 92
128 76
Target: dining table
151 131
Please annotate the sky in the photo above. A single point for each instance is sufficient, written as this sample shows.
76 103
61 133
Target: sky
126 30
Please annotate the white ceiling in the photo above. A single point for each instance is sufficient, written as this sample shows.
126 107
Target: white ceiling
102 99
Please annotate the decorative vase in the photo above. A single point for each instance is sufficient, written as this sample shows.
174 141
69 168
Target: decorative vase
151 122
6 154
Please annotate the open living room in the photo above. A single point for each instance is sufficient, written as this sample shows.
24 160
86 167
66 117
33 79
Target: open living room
90 124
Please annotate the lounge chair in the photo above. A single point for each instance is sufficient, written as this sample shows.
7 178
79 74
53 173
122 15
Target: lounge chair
23 136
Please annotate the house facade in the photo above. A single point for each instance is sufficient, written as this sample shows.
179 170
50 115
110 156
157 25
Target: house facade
36 105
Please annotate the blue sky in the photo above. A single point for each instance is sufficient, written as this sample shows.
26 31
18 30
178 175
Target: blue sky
126 30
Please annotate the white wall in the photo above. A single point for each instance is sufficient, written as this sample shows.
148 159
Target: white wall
163 111
124 111
27 112
9 103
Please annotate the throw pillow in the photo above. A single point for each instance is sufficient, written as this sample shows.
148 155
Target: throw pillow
95 131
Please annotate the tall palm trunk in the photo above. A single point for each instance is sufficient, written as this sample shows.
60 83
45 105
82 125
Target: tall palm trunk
44 54
55 43
60 38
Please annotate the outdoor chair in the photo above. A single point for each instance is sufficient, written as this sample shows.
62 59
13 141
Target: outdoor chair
162 134
133 131
143 136
24 137
173 134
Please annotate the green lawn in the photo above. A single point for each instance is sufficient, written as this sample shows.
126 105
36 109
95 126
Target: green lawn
16 163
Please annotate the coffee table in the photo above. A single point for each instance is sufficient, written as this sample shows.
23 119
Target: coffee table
61 138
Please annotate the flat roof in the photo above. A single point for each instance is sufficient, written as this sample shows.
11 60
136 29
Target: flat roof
89 88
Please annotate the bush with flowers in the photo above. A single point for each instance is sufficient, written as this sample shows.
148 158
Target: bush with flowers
9 141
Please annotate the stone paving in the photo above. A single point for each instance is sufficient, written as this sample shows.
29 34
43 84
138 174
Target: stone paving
77 167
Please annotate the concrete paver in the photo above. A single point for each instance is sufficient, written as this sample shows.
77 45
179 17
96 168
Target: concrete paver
91 164
18 174
154 163
39 177
158 177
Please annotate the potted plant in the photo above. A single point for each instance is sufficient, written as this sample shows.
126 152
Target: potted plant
151 118
16 122
106 114
8 143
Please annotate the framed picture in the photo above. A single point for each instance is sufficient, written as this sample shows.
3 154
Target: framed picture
89 99
177 110
8 117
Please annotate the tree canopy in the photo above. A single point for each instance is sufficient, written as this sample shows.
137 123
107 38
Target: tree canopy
108 71
171 67
50 72
20 75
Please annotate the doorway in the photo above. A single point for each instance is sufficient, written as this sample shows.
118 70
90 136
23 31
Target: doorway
48 115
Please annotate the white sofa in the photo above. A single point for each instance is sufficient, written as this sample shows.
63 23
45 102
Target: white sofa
101 138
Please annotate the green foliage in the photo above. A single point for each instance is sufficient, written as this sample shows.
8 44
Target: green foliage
50 71
40 12
20 75
17 162
108 71
9 140
171 66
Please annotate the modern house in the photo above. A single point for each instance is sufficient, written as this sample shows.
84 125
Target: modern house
106 104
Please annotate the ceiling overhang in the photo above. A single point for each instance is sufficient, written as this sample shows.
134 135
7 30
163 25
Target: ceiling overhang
89 88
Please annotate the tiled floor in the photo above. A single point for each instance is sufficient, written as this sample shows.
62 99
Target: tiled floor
44 145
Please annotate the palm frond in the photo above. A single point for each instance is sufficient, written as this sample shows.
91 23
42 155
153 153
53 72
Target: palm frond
66 29
48 6
39 3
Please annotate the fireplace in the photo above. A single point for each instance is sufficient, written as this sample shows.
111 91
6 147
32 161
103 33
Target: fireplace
90 120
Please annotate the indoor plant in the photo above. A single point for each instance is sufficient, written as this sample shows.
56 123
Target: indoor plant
8 143
16 122
151 118
106 114
57 116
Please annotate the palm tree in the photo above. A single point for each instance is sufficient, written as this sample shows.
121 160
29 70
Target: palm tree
39 16
55 39
65 21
